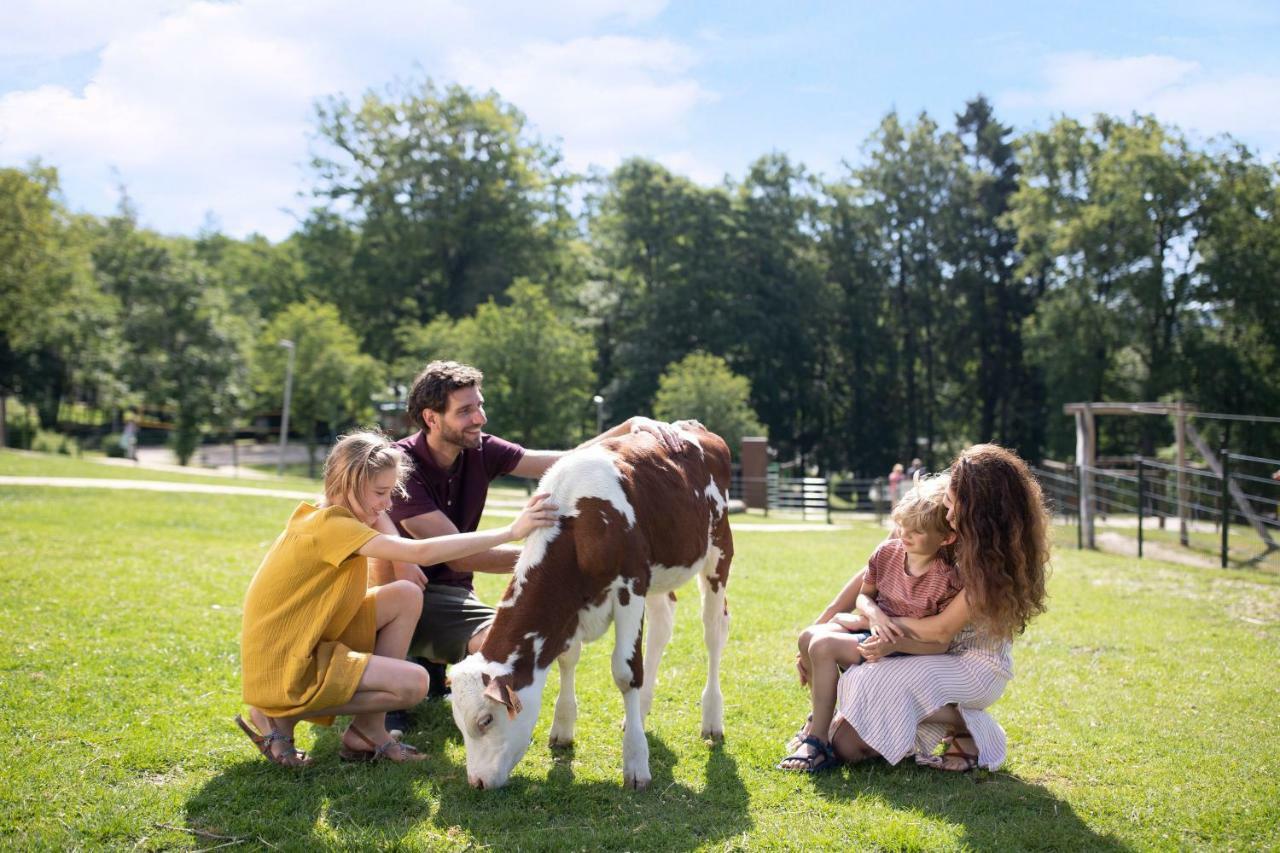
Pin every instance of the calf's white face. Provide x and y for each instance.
(495, 723)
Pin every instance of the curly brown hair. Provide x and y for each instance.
(432, 387)
(1003, 548)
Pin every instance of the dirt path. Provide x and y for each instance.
(499, 508)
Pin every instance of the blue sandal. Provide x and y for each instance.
(823, 757)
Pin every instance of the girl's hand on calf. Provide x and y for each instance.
(538, 512)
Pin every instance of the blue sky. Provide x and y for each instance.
(204, 108)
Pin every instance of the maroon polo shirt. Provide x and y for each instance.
(459, 492)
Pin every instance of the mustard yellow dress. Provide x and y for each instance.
(309, 619)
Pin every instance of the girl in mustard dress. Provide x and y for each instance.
(316, 641)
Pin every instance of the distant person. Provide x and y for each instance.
(916, 469)
(316, 640)
(910, 576)
(452, 464)
(129, 439)
(896, 476)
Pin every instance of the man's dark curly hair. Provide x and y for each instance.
(432, 387)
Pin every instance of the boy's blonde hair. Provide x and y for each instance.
(357, 458)
(922, 507)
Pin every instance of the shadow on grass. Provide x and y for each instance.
(335, 804)
(997, 811)
(559, 812)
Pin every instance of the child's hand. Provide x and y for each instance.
(875, 648)
(850, 621)
(884, 627)
(536, 513)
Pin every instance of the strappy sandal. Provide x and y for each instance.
(822, 758)
(393, 750)
(968, 760)
(292, 758)
(801, 733)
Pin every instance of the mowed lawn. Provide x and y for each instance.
(1142, 714)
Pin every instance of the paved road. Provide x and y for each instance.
(499, 508)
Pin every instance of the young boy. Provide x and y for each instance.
(911, 575)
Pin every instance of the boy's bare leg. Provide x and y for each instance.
(828, 651)
(803, 667)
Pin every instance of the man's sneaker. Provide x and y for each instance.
(439, 686)
(398, 722)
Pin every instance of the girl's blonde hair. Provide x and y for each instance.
(357, 458)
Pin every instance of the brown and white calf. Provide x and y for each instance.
(637, 521)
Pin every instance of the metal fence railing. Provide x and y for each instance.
(1234, 498)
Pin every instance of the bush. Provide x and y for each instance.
(19, 434)
(112, 447)
(47, 441)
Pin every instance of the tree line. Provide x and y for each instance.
(957, 282)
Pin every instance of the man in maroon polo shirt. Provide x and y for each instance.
(453, 464)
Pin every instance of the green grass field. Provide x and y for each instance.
(1140, 716)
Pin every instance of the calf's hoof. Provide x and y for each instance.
(560, 742)
(637, 781)
(713, 737)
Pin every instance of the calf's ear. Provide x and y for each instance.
(500, 691)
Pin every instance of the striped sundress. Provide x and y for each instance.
(885, 701)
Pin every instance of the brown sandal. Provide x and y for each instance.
(393, 750)
(969, 760)
(264, 743)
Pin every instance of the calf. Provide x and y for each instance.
(637, 521)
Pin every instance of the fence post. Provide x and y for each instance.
(1141, 496)
(1079, 507)
(1226, 505)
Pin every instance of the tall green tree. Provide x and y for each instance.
(184, 344)
(333, 381)
(1006, 392)
(537, 364)
(451, 197)
(1107, 219)
(663, 284)
(57, 330)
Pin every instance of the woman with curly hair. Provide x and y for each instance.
(910, 704)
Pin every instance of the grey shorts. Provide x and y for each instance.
(451, 616)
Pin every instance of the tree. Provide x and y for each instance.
(333, 381)
(663, 285)
(702, 387)
(538, 379)
(183, 342)
(451, 197)
(56, 330)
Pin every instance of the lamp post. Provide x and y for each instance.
(288, 393)
(599, 401)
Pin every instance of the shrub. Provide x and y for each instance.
(47, 441)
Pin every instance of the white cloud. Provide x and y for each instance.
(207, 106)
(606, 97)
(1175, 90)
(51, 29)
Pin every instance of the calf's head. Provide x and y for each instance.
(496, 720)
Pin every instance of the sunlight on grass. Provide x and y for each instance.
(1134, 717)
